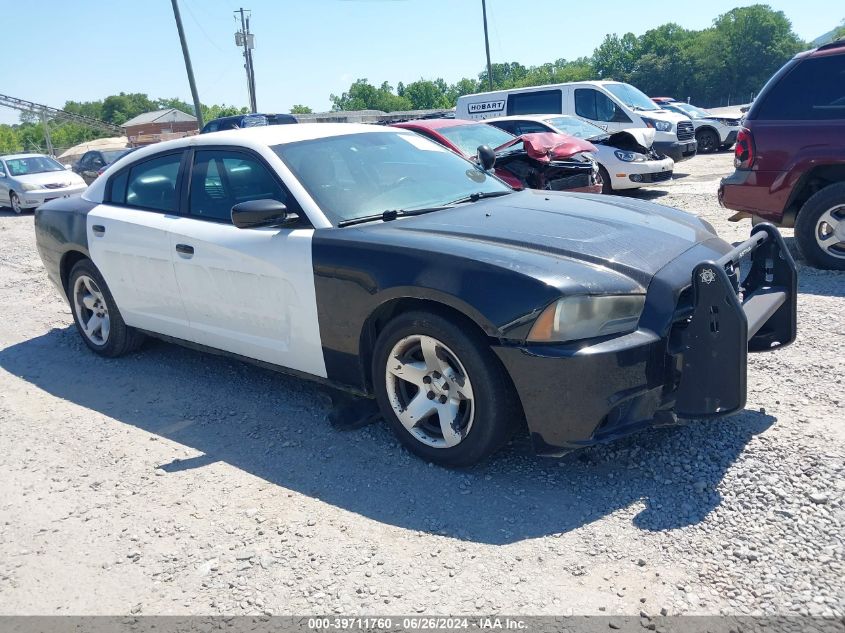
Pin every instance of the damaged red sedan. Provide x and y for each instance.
(557, 162)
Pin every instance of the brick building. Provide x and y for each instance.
(159, 125)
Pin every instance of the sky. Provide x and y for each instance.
(306, 50)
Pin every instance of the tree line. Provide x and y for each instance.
(726, 63)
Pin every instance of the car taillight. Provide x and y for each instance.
(744, 149)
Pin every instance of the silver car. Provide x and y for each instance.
(29, 180)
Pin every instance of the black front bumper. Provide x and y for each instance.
(677, 150)
(687, 359)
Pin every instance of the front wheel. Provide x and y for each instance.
(820, 228)
(441, 388)
(708, 141)
(96, 315)
(15, 202)
(606, 185)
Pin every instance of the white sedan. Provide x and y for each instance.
(29, 180)
(626, 159)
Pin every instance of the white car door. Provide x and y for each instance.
(129, 243)
(246, 291)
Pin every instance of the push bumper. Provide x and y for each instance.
(690, 365)
(677, 150)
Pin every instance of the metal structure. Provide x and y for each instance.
(188, 67)
(46, 114)
(247, 40)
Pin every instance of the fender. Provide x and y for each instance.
(60, 228)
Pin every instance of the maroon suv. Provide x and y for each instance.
(790, 155)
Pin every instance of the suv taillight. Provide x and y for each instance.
(744, 149)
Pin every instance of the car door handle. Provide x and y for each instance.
(99, 230)
(184, 249)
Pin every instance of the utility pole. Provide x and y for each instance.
(49, 141)
(247, 40)
(487, 44)
(188, 67)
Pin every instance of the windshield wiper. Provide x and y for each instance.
(390, 214)
(479, 195)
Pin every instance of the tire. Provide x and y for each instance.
(708, 141)
(606, 186)
(90, 297)
(15, 202)
(823, 215)
(482, 404)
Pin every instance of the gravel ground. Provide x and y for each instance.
(172, 482)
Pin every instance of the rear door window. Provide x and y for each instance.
(149, 185)
(814, 90)
(537, 102)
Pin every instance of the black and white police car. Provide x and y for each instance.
(376, 261)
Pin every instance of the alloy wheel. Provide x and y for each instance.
(16, 203)
(830, 231)
(430, 391)
(91, 310)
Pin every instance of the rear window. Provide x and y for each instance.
(538, 102)
(813, 90)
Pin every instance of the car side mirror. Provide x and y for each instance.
(254, 214)
(68, 166)
(486, 157)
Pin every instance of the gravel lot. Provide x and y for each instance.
(172, 482)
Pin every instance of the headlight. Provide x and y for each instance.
(629, 157)
(660, 126)
(29, 187)
(574, 318)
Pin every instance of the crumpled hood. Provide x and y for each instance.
(631, 237)
(643, 136)
(66, 178)
(548, 146)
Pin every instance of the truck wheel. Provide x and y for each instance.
(820, 228)
(708, 141)
(441, 388)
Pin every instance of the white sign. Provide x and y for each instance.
(486, 106)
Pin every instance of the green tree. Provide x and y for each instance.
(616, 57)
(362, 95)
(120, 108)
(175, 102)
(300, 109)
(754, 41)
(426, 95)
(507, 75)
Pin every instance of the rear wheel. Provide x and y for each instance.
(15, 202)
(96, 315)
(441, 388)
(708, 141)
(820, 228)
